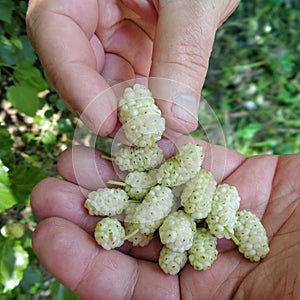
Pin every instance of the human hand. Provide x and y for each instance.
(88, 46)
(268, 186)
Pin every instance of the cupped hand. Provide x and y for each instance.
(269, 186)
(87, 46)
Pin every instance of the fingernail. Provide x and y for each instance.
(186, 108)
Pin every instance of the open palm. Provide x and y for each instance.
(269, 186)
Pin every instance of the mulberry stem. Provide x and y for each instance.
(114, 182)
(106, 157)
(232, 236)
(130, 235)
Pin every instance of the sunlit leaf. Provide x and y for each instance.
(13, 262)
(7, 198)
(5, 141)
(48, 138)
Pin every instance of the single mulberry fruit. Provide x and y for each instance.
(138, 184)
(171, 262)
(182, 167)
(138, 159)
(177, 231)
(197, 194)
(203, 252)
(138, 239)
(222, 217)
(109, 233)
(157, 204)
(106, 202)
(140, 116)
(251, 235)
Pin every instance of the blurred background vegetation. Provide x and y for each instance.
(253, 87)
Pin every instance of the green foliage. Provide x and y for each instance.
(13, 262)
(253, 80)
(25, 157)
(23, 178)
(7, 197)
(59, 292)
(6, 145)
(24, 95)
(14, 45)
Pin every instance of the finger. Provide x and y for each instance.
(220, 281)
(144, 8)
(256, 172)
(130, 42)
(75, 259)
(54, 197)
(84, 166)
(116, 69)
(65, 200)
(182, 48)
(63, 35)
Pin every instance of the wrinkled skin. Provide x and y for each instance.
(269, 186)
(87, 46)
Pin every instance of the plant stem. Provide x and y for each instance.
(107, 157)
(114, 182)
(232, 236)
(128, 236)
(134, 201)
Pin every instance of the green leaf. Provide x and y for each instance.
(32, 279)
(48, 138)
(13, 262)
(27, 53)
(7, 198)
(6, 142)
(249, 130)
(59, 292)
(23, 178)
(6, 9)
(25, 72)
(8, 51)
(24, 98)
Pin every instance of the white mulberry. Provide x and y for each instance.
(109, 233)
(106, 202)
(177, 231)
(157, 204)
(140, 116)
(138, 239)
(182, 167)
(222, 217)
(251, 235)
(138, 159)
(197, 194)
(171, 262)
(203, 252)
(138, 184)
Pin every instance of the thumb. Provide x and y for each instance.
(182, 48)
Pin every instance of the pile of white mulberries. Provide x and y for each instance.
(175, 199)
